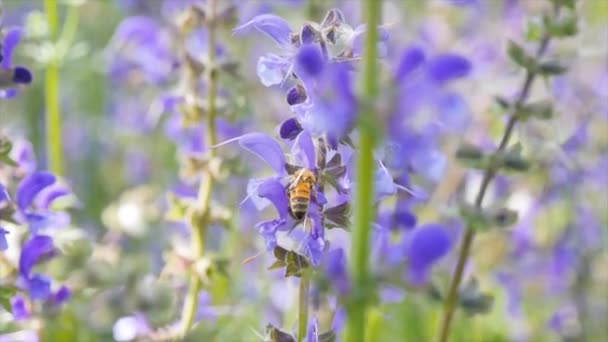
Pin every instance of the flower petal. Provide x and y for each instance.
(296, 95)
(310, 60)
(428, 244)
(31, 186)
(290, 129)
(3, 243)
(22, 75)
(266, 148)
(50, 194)
(271, 25)
(62, 295)
(383, 183)
(303, 150)
(272, 69)
(38, 247)
(263, 146)
(268, 229)
(274, 191)
(39, 287)
(454, 113)
(11, 39)
(411, 59)
(18, 308)
(447, 67)
(336, 272)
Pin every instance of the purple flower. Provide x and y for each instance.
(309, 60)
(290, 129)
(11, 77)
(270, 25)
(330, 107)
(62, 295)
(272, 190)
(30, 186)
(447, 67)
(139, 43)
(39, 287)
(18, 308)
(312, 331)
(36, 249)
(272, 69)
(428, 244)
(336, 271)
(3, 243)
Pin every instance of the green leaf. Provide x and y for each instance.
(277, 264)
(571, 4)
(5, 159)
(540, 110)
(502, 102)
(280, 253)
(480, 219)
(503, 217)
(277, 335)
(513, 160)
(551, 68)
(295, 264)
(564, 27)
(474, 218)
(6, 293)
(339, 215)
(533, 32)
(472, 301)
(471, 156)
(328, 336)
(520, 57)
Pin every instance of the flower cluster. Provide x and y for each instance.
(317, 65)
(36, 207)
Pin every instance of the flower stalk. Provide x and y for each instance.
(303, 305)
(465, 248)
(199, 225)
(51, 90)
(363, 205)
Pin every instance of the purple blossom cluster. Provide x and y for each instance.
(442, 160)
(30, 212)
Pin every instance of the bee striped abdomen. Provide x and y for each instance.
(299, 198)
(299, 193)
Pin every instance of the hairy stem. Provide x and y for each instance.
(363, 203)
(198, 226)
(467, 241)
(303, 305)
(51, 97)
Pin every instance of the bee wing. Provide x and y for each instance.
(291, 169)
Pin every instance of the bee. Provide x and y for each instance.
(299, 191)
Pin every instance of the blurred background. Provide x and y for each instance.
(127, 158)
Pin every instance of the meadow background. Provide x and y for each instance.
(124, 250)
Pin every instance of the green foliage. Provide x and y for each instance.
(472, 156)
(551, 68)
(5, 149)
(472, 301)
(520, 56)
(559, 28)
(539, 110)
(293, 262)
(6, 292)
(480, 219)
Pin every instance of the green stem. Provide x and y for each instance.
(469, 236)
(199, 226)
(363, 203)
(303, 305)
(51, 90)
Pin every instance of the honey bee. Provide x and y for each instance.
(299, 191)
